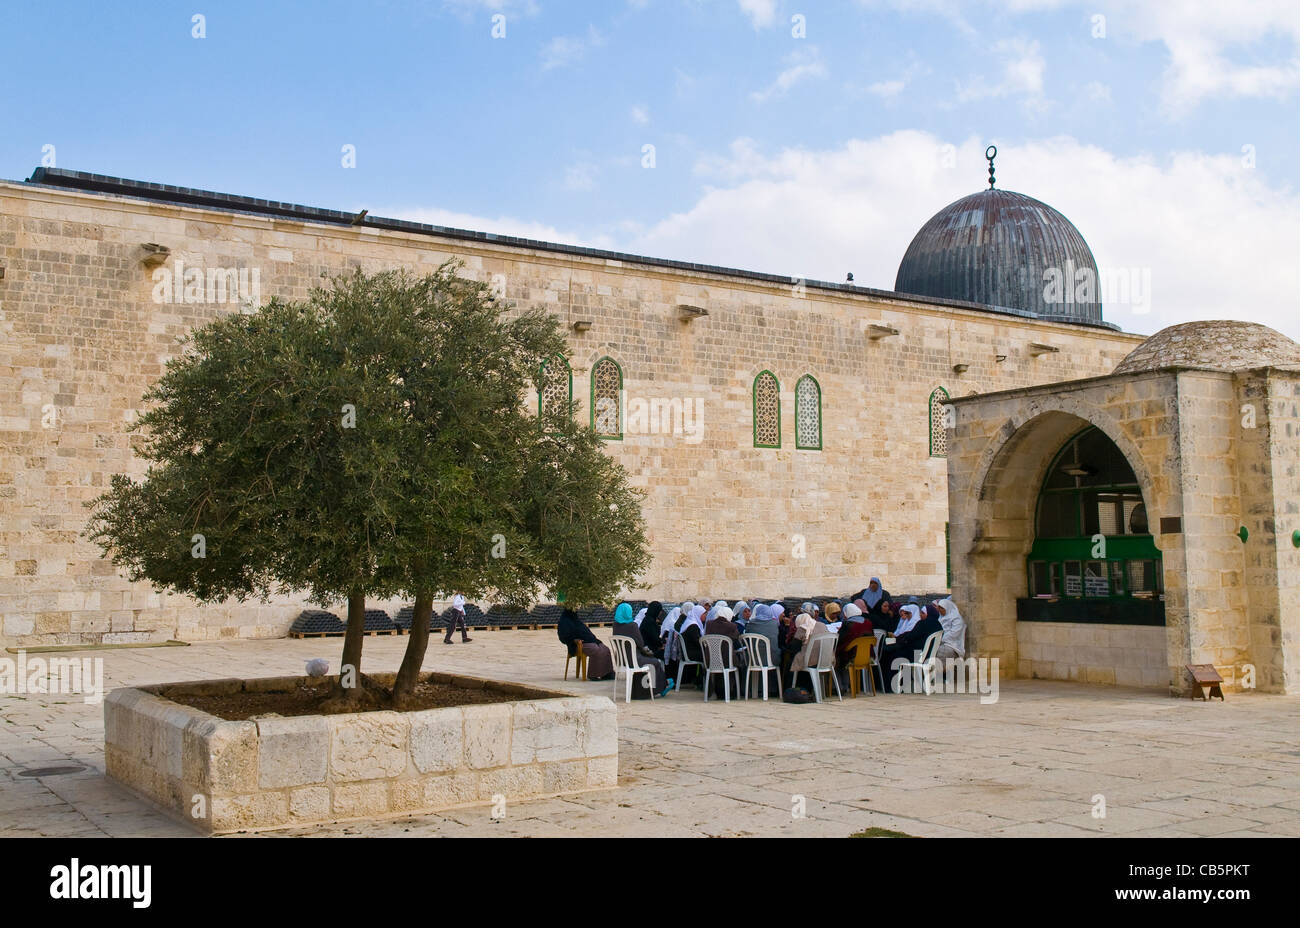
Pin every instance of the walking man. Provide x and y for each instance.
(457, 619)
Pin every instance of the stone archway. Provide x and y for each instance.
(993, 498)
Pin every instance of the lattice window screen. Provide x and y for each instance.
(808, 414)
(938, 433)
(606, 385)
(557, 388)
(767, 411)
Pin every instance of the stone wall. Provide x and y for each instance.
(83, 338)
(1271, 513)
(1124, 655)
(223, 776)
(1284, 450)
(1210, 441)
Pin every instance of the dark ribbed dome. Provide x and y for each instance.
(995, 247)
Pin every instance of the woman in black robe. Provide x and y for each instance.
(650, 628)
(572, 632)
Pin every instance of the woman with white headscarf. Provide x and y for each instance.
(668, 639)
(762, 623)
(692, 628)
(953, 644)
(908, 617)
(810, 632)
(740, 613)
(915, 626)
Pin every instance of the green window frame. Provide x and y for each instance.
(768, 419)
(938, 434)
(805, 442)
(541, 392)
(601, 369)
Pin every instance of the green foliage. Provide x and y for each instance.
(250, 445)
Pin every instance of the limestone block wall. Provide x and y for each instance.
(223, 776)
(1123, 655)
(1210, 441)
(1260, 552)
(1275, 556)
(83, 335)
(1284, 396)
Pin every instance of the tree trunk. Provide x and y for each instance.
(409, 672)
(353, 639)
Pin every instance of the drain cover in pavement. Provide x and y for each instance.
(49, 771)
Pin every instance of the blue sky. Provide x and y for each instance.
(1170, 140)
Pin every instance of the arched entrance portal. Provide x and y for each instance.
(1062, 574)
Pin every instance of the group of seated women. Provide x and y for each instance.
(669, 639)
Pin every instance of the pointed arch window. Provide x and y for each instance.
(808, 414)
(555, 398)
(938, 429)
(606, 399)
(767, 411)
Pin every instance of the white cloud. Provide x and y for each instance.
(762, 13)
(1097, 92)
(800, 65)
(580, 176)
(1216, 240)
(467, 8)
(885, 89)
(1022, 69)
(640, 115)
(564, 50)
(1215, 49)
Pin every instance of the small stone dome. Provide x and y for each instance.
(1218, 345)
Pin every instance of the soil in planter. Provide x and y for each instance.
(312, 699)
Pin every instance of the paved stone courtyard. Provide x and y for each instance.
(944, 765)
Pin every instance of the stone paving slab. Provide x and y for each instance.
(942, 765)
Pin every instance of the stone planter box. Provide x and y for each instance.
(222, 776)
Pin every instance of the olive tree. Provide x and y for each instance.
(371, 441)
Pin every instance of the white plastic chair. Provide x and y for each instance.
(760, 662)
(719, 657)
(927, 665)
(878, 657)
(683, 661)
(825, 664)
(624, 649)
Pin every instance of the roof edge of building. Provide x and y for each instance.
(1060, 385)
(63, 179)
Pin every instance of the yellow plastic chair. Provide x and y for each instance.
(861, 663)
(576, 652)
